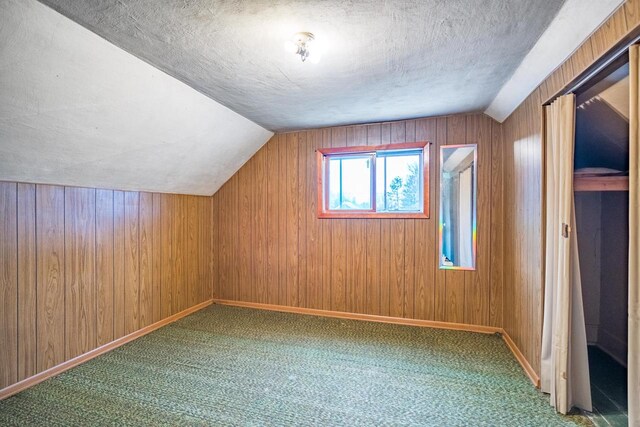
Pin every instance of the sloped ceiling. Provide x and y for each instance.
(384, 60)
(77, 110)
(602, 123)
(176, 96)
(617, 96)
(573, 24)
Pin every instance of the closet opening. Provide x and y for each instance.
(601, 184)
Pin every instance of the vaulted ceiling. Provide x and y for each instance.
(77, 110)
(384, 60)
(175, 96)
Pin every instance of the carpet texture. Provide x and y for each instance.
(234, 366)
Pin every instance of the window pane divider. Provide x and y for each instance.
(323, 189)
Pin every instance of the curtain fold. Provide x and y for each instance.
(564, 361)
(633, 356)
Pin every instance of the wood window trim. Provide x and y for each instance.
(321, 153)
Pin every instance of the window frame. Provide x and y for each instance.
(323, 184)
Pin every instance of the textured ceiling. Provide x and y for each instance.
(77, 110)
(384, 60)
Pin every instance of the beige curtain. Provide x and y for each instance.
(564, 361)
(633, 357)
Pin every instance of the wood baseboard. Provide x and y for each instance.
(38, 378)
(366, 317)
(535, 379)
(531, 374)
(64, 366)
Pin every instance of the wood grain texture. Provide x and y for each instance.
(146, 259)
(8, 284)
(166, 253)
(497, 214)
(385, 267)
(119, 287)
(455, 280)
(156, 257)
(79, 247)
(80, 268)
(104, 266)
(522, 199)
(65, 366)
(27, 270)
(372, 255)
(51, 310)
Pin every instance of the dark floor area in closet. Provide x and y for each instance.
(608, 389)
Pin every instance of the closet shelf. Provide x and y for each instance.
(601, 183)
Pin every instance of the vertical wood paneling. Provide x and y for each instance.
(167, 253)
(517, 216)
(440, 294)
(281, 182)
(497, 214)
(119, 288)
(338, 229)
(312, 237)
(425, 235)
(356, 243)
(214, 243)
(301, 208)
(8, 284)
(259, 225)
(131, 262)
(291, 189)
(209, 252)
(409, 244)
(372, 277)
(156, 257)
(244, 242)
(178, 251)
(80, 297)
(385, 243)
(377, 266)
(325, 265)
(477, 283)
(396, 245)
(272, 219)
(104, 267)
(36, 225)
(27, 269)
(191, 243)
(80, 267)
(455, 280)
(146, 259)
(50, 276)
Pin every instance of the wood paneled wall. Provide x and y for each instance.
(523, 191)
(81, 267)
(274, 250)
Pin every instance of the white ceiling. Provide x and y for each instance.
(385, 60)
(573, 24)
(77, 110)
(95, 103)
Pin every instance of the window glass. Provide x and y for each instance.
(350, 183)
(399, 182)
(375, 181)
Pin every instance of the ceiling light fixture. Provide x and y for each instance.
(303, 44)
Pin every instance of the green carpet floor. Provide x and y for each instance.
(233, 366)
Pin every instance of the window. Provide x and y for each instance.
(385, 181)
